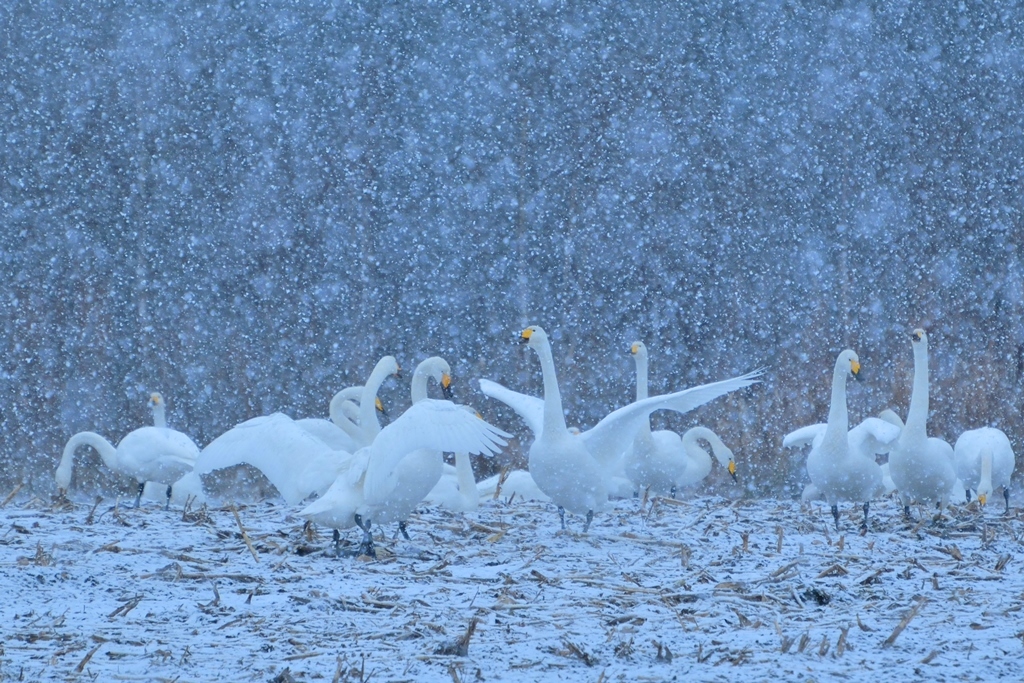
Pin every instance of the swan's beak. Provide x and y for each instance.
(398, 372)
(634, 349)
(732, 469)
(855, 368)
(982, 498)
(380, 406)
(155, 399)
(446, 386)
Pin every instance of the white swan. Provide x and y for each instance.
(575, 471)
(662, 461)
(921, 466)
(511, 485)
(456, 489)
(367, 491)
(836, 470)
(984, 462)
(156, 453)
(341, 432)
(298, 463)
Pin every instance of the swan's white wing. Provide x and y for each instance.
(811, 434)
(891, 417)
(530, 408)
(328, 432)
(610, 437)
(873, 435)
(296, 462)
(439, 426)
(157, 454)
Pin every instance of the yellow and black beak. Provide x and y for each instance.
(855, 369)
(380, 407)
(982, 498)
(446, 386)
(525, 335)
(732, 470)
(634, 349)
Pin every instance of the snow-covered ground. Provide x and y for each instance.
(701, 589)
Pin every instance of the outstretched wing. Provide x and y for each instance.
(811, 434)
(610, 437)
(872, 436)
(296, 462)
(530, 408)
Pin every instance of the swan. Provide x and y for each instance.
(510, 485)
(418, 471)
(921, 466)
(576, 470)
(836, 470)
(662, 461)
(367, 490)
(341, 432)
(456, 489)
(297, 462)
(156, 453)
(984, 462)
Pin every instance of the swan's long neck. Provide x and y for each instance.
(644, 434)
(419, 383)
(368, 423)
(985, 482)
(838, 417)
(553, 417)
(338, 417)
(467, 481)
(67, 461)
(159, 415)
(917, 415)
(718, 447)
(698, 456)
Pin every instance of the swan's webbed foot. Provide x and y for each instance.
(590, 518)
(366, 546)
(138, 498)
(405, 532)
(835, 515)
(561, 516)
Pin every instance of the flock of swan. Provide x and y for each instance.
(349, 471)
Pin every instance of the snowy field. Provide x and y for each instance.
(702, 589)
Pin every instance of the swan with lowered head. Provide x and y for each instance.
(921, 466)
(296, 461)
(368, 490)
(511, 484)
(576, 471)
(156, 453)
(984, 462)
(662, 461)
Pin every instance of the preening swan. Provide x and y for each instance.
(341, 432)
(510, 485)
(367, 491)
(157, 453)
(575, 471)
(984, 462)
(921, 467)
(662, 461)
(836, 470)
(298, 463)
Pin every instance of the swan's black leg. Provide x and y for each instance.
(968, 494)
(138, 498)
(405, 533)
(672, 491)
(906, 512)
(864, 526)
(590, 518)
(561, 516)
(835, 515)
(337, 542)
(366, 547)
(167, 505)
(1006, 497)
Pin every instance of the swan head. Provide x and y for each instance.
(918, 336)
(731, 467)
(438, 369)
(156, 399)
(533, 336)
(63, 475)
(849, 361)
(379, 405)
